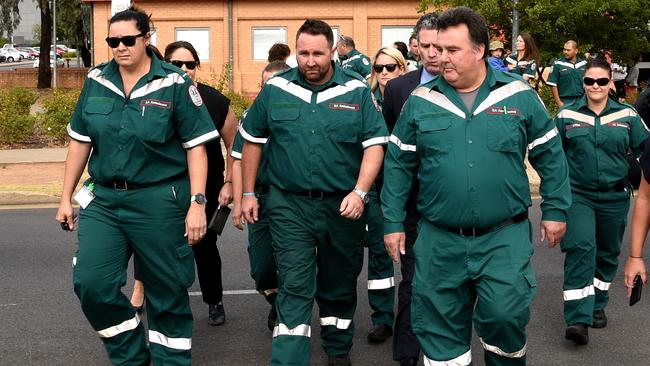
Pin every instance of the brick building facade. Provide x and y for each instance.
(255, 26)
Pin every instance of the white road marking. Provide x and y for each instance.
(231, 292)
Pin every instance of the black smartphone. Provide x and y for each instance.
(219, 219)
(636, 290)
(65, 226)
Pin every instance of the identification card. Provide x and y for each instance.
(84, 197)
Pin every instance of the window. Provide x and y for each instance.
(154, 37)
(199, 38)
(392, 34)
(264, 38)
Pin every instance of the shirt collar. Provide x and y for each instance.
(337, 78)
(156, 70)
(581, 105)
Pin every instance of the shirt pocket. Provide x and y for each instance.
(155, 124)
(284, 121)
(344, 127)
(97, 117)
(614, 139)
(433, 136)
(504, 134)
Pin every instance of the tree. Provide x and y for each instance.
(620, 25)
(9, 17)
(73, 25)
(44, 71)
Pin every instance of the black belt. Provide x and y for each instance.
(474, 231)
(319, 195)
(122, 185)
(618, 187)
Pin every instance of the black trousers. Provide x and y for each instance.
(405, 345)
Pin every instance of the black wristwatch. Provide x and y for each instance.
(199, 198)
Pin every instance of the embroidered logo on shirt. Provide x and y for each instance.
(195, 96)
(344, 106)
(618, 124)
(155, 103)
(503, 110)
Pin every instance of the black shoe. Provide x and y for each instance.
(380, 333)
(273, 316)
(578, 333)
(408, 362)
(343, 360)
(216, 314)
(600, 319)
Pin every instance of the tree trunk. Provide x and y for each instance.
(44, 70)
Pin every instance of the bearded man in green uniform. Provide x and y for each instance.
(466, 135)
(323, 135)
(566, 75)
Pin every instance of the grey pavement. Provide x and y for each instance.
(46, 155)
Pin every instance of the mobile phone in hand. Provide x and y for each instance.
(636, 290)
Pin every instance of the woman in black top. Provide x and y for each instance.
(218, 191)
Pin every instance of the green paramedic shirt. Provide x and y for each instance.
(567, 77)
(262, 172)
(522, 67)
(471, 165)
(596, 145)
(140, 138)
(316, 136)
(357, 62)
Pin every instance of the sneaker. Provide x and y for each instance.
(380, 333)
(342, 360)
(410, 361)
(273, 316)
(578, 333)
(216, 314)
(600, 319)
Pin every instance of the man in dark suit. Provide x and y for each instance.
(405, 346)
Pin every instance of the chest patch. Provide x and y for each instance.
(155, 103)
(195, 96)
(503, 110)
(344, 106)
(619, 124)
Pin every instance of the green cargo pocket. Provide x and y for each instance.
(576, 131)
(530, 279)
(185, 265)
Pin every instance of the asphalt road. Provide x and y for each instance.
(41, 322)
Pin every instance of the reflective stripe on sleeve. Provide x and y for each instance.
(601, 285)
(248, 137)
(496, 350)
(124, 326)
(201, 139)
(381, 140)
(337, 322)
(77, 136)
(402, 146)
(544, 139)
(381, 284)
(302, 330)
(462, 360)
(184, 344)
(235, 154)
(578, 294)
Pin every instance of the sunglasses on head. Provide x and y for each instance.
(600, 82)
(379, 67)
(191, 65)
(128, 41)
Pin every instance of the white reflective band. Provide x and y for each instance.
(617, 115)
(269, 291)
(291, 88)
(438, 99)
(235, 154)
(462, 360)
(184, 344)
(339, 323)
(544, 139)
(601, 285)
(339, 90)
(382, 140)
(500, 94)
(570, 65)
(248, 137)
(381, 284)
(580, 293)
(404, 147)
(125, 326)
(302, 330)
(94, 74)
(550, 83)
(348, 60)
(581, 63)
(74, 261)
(77, 136)
(201, 139)
(565, 113)
(496, 350)
(157, 84)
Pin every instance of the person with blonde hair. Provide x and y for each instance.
(388, 64)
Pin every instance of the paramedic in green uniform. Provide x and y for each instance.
(325, 138)
(143, 125)
(566, 74)
(351, 59)
(597, 132)
(465, 135)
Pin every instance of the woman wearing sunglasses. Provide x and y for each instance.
(596, 133)
(389, 64)
(143, 125)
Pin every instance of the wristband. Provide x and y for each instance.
(641, 257)
(227, 181)
(248, 194)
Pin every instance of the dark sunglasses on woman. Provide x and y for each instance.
(191, 65)
(379, 67)
(600, 81)
(128, 41)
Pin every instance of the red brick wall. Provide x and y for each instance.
(28, 78)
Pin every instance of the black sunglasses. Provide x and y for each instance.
(590, 81)
(191, 65)
(379, 67)
(128, 41)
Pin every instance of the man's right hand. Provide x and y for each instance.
(66, 214)
(249, 208)
(395, 245)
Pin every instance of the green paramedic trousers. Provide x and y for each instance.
(592, 244)
(381, 283)
(319, 254)
(260, 253)
(150, 222)
(487, 280)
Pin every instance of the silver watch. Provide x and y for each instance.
(363, 195)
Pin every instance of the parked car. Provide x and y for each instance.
(59, 61)
(11, 54)
(31, 52)
(59, 51)
(3, 58)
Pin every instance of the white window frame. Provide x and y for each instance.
(202, 49)
(388, 41)
(265, 55)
